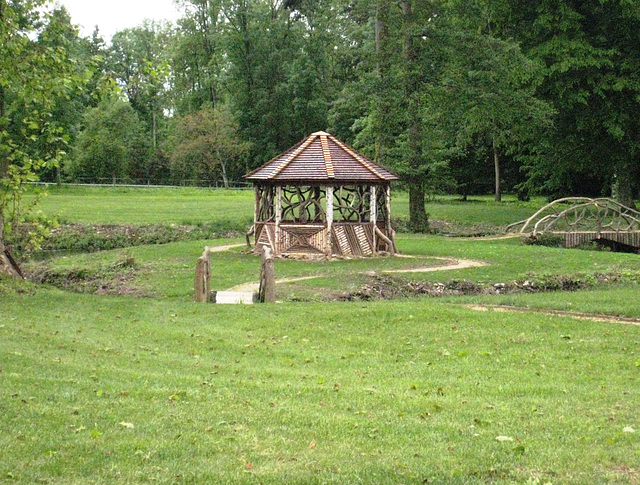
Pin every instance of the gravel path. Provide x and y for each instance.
(451, 264)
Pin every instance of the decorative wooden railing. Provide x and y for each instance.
(582, 219)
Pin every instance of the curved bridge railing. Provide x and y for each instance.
(585, 219)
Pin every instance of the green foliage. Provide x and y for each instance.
(497, 97)
(35, 72)
(206, 146)
(590, 76)
(197, 53)
(137, 58)
(111, 145)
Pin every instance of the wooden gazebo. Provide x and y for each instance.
(319, 198)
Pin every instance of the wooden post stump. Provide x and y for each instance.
(202, 284)
(267, 292)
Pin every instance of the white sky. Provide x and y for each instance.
(113, 15)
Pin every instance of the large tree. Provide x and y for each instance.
(111, 145)
(197, 56)
(488, 89)
(207, 147)
(394, 123)
(590, 60)
(138, 59)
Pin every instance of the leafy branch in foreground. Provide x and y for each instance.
(35, 71)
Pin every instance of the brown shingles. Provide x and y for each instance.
(321, 157)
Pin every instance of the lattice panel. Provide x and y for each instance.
(353, 239)
(265, 236)
(303, 239)
(303, 204)
(352, 204)
(381, 205)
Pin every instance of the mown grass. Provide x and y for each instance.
(478, 210)
(166, 271)
(112, 389)
(113, 205)
(125, 205)
(119, 390)
(618, 300)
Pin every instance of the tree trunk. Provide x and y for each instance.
(496, 166)
(223, 166)
(417, 214)
(380, 29)
(4, 164)
(383, 141)
(225, 180)
(7, 265)
(623, 189)
(155, 130)
(418, 218)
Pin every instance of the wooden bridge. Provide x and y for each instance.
(582, 220)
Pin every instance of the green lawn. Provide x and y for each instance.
(614, 300)
(121, 390)
(153, 388)
(109, 205)
(188, 206)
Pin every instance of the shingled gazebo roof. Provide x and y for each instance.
(321, 157)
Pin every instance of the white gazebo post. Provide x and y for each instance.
(387, 198)
(256, 205)
(373, 216)
(329, 217)
(276, 249)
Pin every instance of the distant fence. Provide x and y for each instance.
(196, 184)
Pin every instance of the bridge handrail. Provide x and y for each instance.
(540, 224)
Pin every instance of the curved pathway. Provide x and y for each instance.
(559, 313)
(451, 264)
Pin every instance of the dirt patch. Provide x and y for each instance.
(387, 287)
(114, 279)
(384, 287)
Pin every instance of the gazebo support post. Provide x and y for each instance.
(329, 217)
(256, 204)
(276, 249)
(387, 198)
(373, 216)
